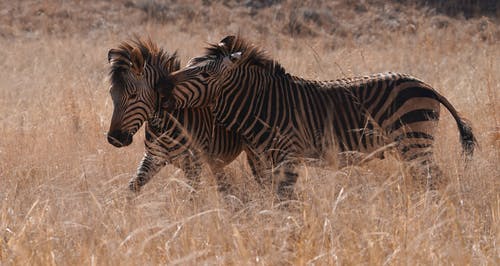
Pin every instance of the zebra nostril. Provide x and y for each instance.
(113, 141)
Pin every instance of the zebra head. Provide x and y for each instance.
(136, 67)
(199, 83)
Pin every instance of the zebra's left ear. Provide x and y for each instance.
(232, 59)
(235, 56)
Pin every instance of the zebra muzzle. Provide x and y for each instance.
(119, 139)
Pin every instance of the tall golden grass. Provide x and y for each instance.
(63, 188)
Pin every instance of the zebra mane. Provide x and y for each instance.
(250, 54)
(129, 53)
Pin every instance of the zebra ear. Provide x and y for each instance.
(115, 55)
(235, 56)
(231, 59)
(112, 55)
(227, 41)
(138, 62)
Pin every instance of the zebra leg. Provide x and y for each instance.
(222, 178)
(192, 166)
(413, 131)
(223, 184)
(427, 173)
(288, 174)
(349, 158)
(260, 171)
(148, 167)
(418, 153)
(217, 169)
(435, 177)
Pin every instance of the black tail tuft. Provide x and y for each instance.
(467, 138)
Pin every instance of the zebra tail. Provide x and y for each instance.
(467, 138)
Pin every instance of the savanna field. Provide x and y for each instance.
(64, 188)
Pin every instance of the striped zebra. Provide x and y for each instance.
(287, 119)
(184, 138)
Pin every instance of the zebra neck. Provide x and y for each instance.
(245, 105)
(157, 122)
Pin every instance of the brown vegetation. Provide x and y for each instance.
(63, 192)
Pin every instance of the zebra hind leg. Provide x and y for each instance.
(288, 178)
(422, 164)
(428, 174)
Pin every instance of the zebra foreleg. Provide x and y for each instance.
(217, 169)
(148, 167)
(223, 184)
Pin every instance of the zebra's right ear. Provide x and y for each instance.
(227, 41)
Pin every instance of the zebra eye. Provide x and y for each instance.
(204, 75)
(133, 95)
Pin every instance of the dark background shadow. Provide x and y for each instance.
(457, 8)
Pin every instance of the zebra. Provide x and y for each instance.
(184, 138)
(287, 119)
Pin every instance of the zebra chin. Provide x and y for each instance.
(119, 139)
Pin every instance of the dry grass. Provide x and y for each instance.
(63, 188)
